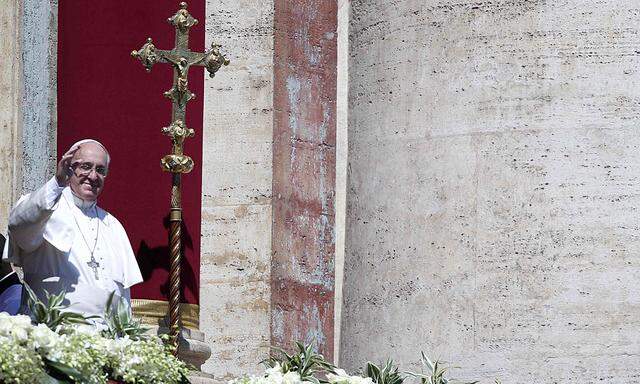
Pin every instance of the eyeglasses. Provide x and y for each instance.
(84, 169)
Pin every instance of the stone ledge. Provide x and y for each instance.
(191, 348)
(202, 378)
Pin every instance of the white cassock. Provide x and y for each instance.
(52, 234)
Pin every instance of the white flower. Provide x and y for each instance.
(86, 329)
(44, 338)
(19, 363)
(20, 334)
(342, 377)
(291, 378)
(275, 370)
(16, 327)
(21, 321)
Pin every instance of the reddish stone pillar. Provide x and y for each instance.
(305, 65)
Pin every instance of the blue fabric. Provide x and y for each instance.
(10, 299)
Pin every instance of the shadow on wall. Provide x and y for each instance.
(151, 259)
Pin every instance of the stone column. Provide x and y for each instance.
(10, 109)
(236, 189)
(302, 265)
(39, 40)
(493, 188)
(342, 112)
(28, 105)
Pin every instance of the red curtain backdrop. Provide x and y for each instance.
(105, 94)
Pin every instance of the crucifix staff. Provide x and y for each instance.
(177, 162)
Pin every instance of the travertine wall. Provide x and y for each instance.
(28, 104)
(39, 32)
(494, 186)
(342, 112)
(10, 113)
(236, 189)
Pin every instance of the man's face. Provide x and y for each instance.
(89, 169)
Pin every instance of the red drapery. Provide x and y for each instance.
(105, 94)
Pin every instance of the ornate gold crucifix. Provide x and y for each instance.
(177, 162)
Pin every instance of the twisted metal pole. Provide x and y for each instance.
(175, 252)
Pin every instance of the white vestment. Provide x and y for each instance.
(51, 238)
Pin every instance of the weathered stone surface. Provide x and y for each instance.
(234, 281)
(10, 112)
(192, 348)
(27, 108)
(236, 189)
(39, 80)
(342, 112)
(304, 156)
(493, 188)
(202, 378)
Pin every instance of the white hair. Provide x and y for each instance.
(84, 141)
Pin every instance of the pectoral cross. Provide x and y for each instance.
(93, 264)
(177, 162)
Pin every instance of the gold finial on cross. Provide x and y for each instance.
(177, 162)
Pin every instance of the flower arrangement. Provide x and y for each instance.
(145, 361)
(55, 347)
(305, 366)
(19, 360)
(36, 354)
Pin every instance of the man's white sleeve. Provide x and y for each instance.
(30, 215)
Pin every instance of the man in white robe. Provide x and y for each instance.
(64, 241)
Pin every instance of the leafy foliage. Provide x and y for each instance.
(120, 322)
(60, 373)
(435, 372)
(384, 374)
(305, 361)
(283, 368)
(52, 313)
